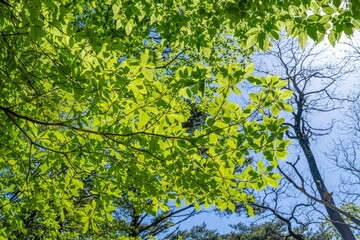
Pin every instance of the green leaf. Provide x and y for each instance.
(262, 42)
(84, 219)
(43, 168)
(253, 31)
(288, 107)
(144, 58)
(60, 136)
(303, 39)
(285, 94)
(77, 183)
(260, 166)
(275, 35)
(86, 227)
(251, 41)
(250, 211)
(116, 9)
(236, 90)
(328, 10)
(332, 38)
(253, 97)
(231, 206)
(164, 207)
(275, 110)
(281, 154)
(196, 205)
(118, 24)
(272, 182)
(109, 217)
(281, 83)
(312, 32)
(129, 26)
(249, 69)
(62, 215)
(148, 73)
(356, 23)
(207, 52)
(95, 227)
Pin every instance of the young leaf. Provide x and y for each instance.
(303, 39)
(129, 26)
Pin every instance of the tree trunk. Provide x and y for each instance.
(134, 231)
(335, 217)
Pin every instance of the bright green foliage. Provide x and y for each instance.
(92, 107)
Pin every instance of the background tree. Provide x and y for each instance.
(313, 82)
(197, 232)
(255, 231)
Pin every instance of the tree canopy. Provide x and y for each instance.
(95, 94)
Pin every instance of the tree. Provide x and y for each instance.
(267, 231)
(314, 86)
(197, 233)
(343, 153)
(93, 105)
(314, 83)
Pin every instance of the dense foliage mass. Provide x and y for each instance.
(265, 231)
(95, 94)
